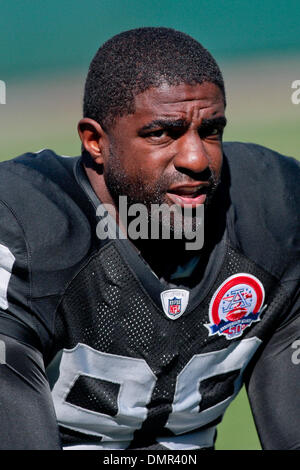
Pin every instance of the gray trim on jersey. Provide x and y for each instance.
(7, 260)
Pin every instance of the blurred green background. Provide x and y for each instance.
(45, 50)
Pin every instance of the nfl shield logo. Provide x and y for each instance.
(174, 302)
(174, 306)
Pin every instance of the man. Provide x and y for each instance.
(144, 342)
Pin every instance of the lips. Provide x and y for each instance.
(191, 195)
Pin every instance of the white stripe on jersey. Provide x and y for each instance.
(7, 260)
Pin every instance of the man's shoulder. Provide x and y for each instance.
(49, 210)
(256, 174)
(32, 168)
(255, 157)
(45, 234)
(265, 195)
(31, 179)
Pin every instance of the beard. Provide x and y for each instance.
(120, 183)
(153, 197)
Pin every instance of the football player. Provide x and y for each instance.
(111, 338)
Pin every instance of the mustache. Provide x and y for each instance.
(208, 176)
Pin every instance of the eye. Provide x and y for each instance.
(210, 132)
(157, 134)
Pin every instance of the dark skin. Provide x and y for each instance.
(172, 143)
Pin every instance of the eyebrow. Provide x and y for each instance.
(220, 121)
(172, 123)
(164, 123)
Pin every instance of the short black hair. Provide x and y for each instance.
(133, 61)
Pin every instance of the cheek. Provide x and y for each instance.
(122, 156)
(219, 161)
(139, 160)
(215, 153)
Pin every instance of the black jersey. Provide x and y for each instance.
(134, 361)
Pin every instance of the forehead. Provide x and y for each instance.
(181, 100)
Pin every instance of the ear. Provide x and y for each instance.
(93, 138)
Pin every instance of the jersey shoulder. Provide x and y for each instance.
(41, 192)
(45, 232)
(265, 195)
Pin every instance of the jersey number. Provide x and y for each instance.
(133, 382)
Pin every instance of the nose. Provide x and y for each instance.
(191, 155)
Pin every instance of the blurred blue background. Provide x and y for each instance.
(46, 47)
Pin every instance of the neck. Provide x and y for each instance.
(165, 256)
(97, 182)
